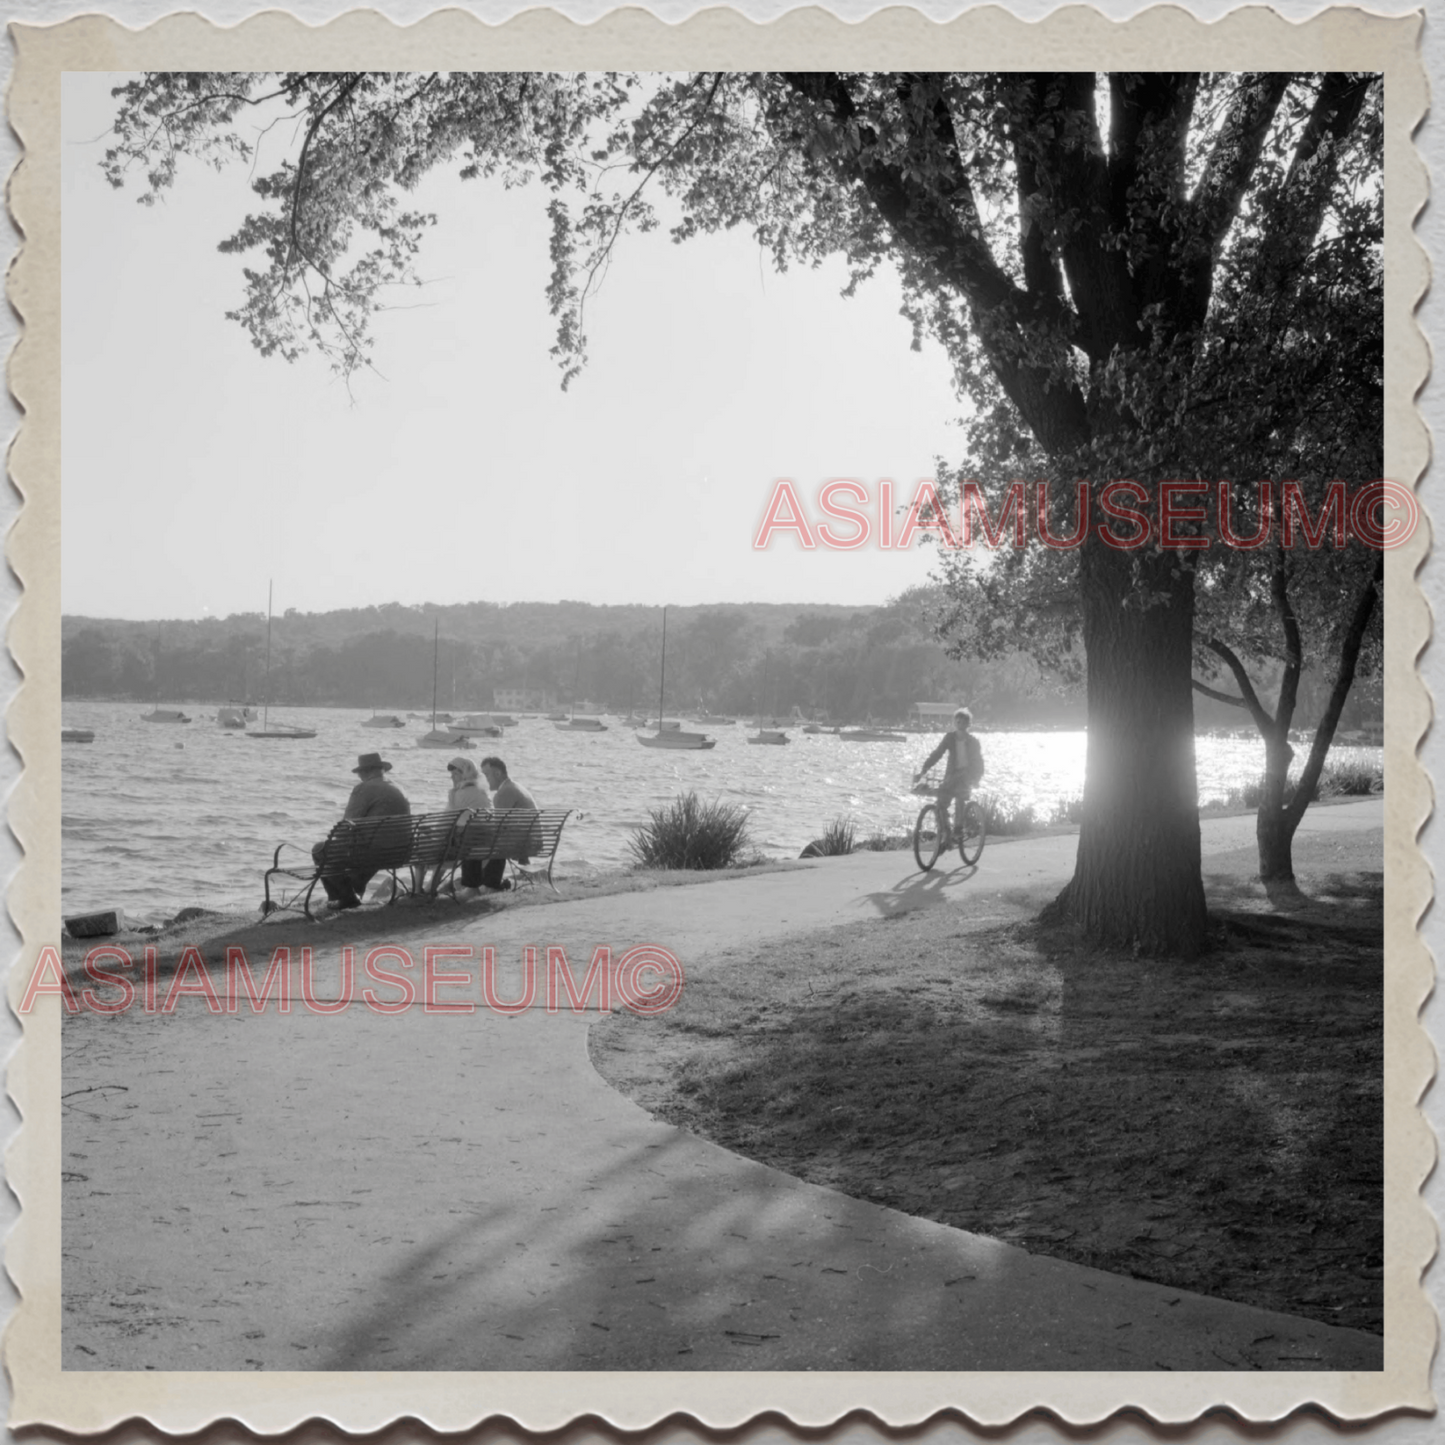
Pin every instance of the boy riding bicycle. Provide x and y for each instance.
(963, 770)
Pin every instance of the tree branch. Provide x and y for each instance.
(938, 223)
(1344, 678)
(1312, 172)
(301, 165)
(1250, 698)
(1216, 695)
(1293, 649)
(1235, 154)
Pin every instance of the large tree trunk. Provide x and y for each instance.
(1273, 830)
(1137, 878)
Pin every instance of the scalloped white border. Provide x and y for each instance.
(1253, 38)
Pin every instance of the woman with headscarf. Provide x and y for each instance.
(468, 791)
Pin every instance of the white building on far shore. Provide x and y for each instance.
(933, 716)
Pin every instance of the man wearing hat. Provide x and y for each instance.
(372, 797)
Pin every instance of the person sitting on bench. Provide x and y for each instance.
(468, 792)
(505, 794)
(372, 797)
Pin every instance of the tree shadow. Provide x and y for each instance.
(1351, 901)
(723, 1267)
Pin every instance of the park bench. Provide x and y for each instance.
(411, 846)
(527, 838)
(401, 846)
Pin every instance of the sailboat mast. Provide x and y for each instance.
(435, 655)
(266, 705)
(662, 671)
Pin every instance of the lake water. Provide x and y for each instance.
(156, 817)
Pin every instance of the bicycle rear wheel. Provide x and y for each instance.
(927, 837)
(972, 831)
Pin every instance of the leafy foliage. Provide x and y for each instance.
(691, 834)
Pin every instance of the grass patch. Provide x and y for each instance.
(691, 834)
(1345, 779)
(1350, 779)
(837, 839)
(1214, 1126)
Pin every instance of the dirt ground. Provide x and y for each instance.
(1215, 1126)
(407, 919)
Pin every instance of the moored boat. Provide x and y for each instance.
(580, 725)
(475, 725)
(671, 735)
(872, 735)
(282, 732)
(77, 735)
(677, 738)
(772, 736)
(384, 720)
(165, 715)
(440, 737)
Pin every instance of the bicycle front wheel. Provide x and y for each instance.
(972, 831)
(927, 837)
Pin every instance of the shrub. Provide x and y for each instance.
(1247, 795)
(1009, 819)
(691, 834)
(837, 838)
(1070, 810)
(1350, 778)
(1347, 778)
(882, 843)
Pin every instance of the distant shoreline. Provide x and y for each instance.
(1349, 737)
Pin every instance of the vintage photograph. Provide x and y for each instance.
(737, 723)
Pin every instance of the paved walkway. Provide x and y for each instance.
(366, 1192)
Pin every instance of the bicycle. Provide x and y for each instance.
(929, 840)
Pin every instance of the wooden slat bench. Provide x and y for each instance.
(401, 846)
(525, 837)
(410, 847)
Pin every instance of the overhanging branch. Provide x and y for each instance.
(1227, 655)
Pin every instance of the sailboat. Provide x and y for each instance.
(439, 737)
(671, 735)
(282, 732)
(575, 724)
(772, 736)
(163, 714)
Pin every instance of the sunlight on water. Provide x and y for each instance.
(151, 828)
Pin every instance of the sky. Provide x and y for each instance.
(195, 471)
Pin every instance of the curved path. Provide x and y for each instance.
(463, 1192)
